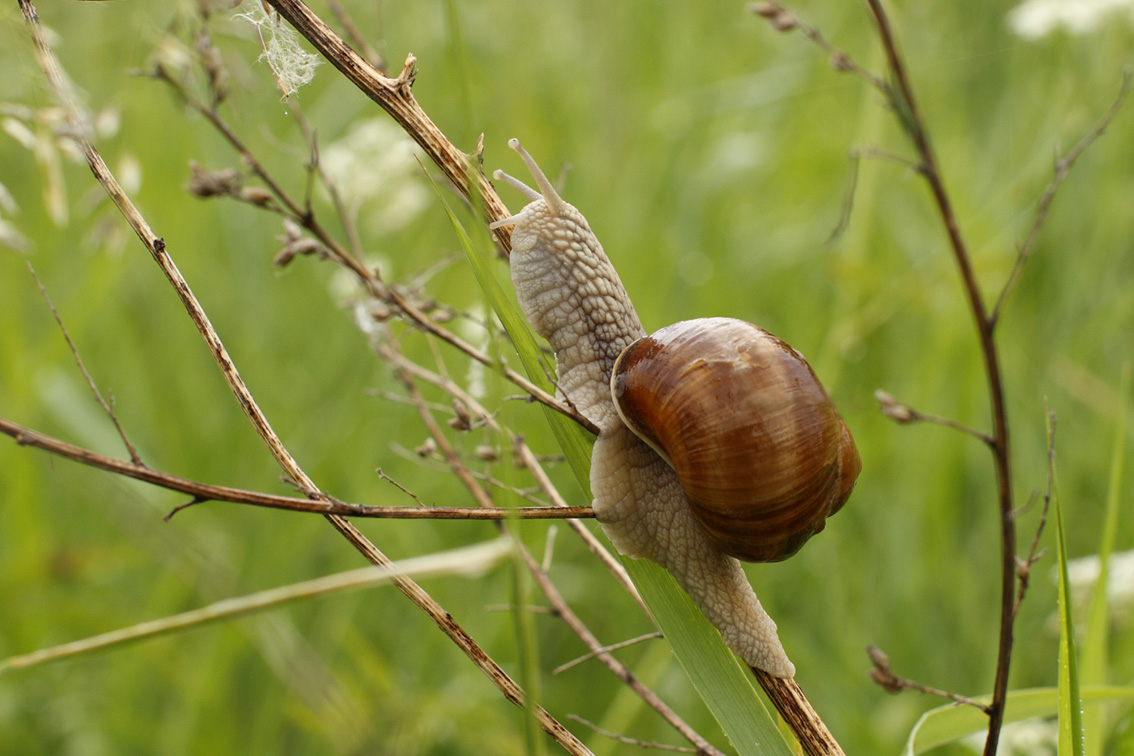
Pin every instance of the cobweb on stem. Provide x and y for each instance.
(291, 64)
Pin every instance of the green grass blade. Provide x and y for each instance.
(1070, 704)
(529, 352)
(469, 560)
(460, 65)
(1094, 666)
(575, 442)
(720, 680)
(528, 649)
(949, 723)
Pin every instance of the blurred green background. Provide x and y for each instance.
(710, 155)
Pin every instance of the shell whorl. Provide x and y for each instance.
(761, 451)
(573, 297)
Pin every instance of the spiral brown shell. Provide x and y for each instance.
(760, 450)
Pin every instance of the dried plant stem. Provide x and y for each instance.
(389, 351)
(616, 667)
(1034, 553)
(789, 700)
(632, 741)
(1062, 167)
(469, 559)
(904, 414)
(369, 278)
(884, 675)
(408, 372)
(157, 249)
(395, 96)
(202, 492)
(905, 104)
(83, 369)
(655, 635)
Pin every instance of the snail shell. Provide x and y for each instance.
(759, 448)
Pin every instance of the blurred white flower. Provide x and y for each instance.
(7, 201)
(129, 172)
(1083, 573)
(1033, 19)
(1031, 737)
(478, 336)
(18, 130)
(11, 237)
(376, 173)
(107, 122)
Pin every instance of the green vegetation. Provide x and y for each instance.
(710, 156)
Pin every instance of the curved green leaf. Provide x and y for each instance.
(723, 684)
(949, 723)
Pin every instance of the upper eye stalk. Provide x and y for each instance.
(717, 442)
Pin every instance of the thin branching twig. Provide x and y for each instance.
(368, 277)
(604, 649)
(158, 250)
(899, 92)
(1024, 568)
(326, 505)
(409, 373)
(883, 674)
(633, 741)
(106, 407)
(1060, 171)
(903, 414)
(905, 106)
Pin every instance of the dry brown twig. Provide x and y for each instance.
(369, 278)
(106, 406)
(1035, 553)
(882, 674)
(395, 97)
(409, 372)
(903, 414)
(158, 251)
(388, 349)
(632, 741)
(899, 92)
(203, 492)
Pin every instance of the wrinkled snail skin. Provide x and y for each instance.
(642, 508)
(572, 296)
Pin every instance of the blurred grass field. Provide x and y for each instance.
(710, 156)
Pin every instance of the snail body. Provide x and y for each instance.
(569, 293)
(664, 488)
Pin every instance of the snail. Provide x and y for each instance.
(716, 441)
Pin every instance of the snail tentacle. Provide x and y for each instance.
(716, 440)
